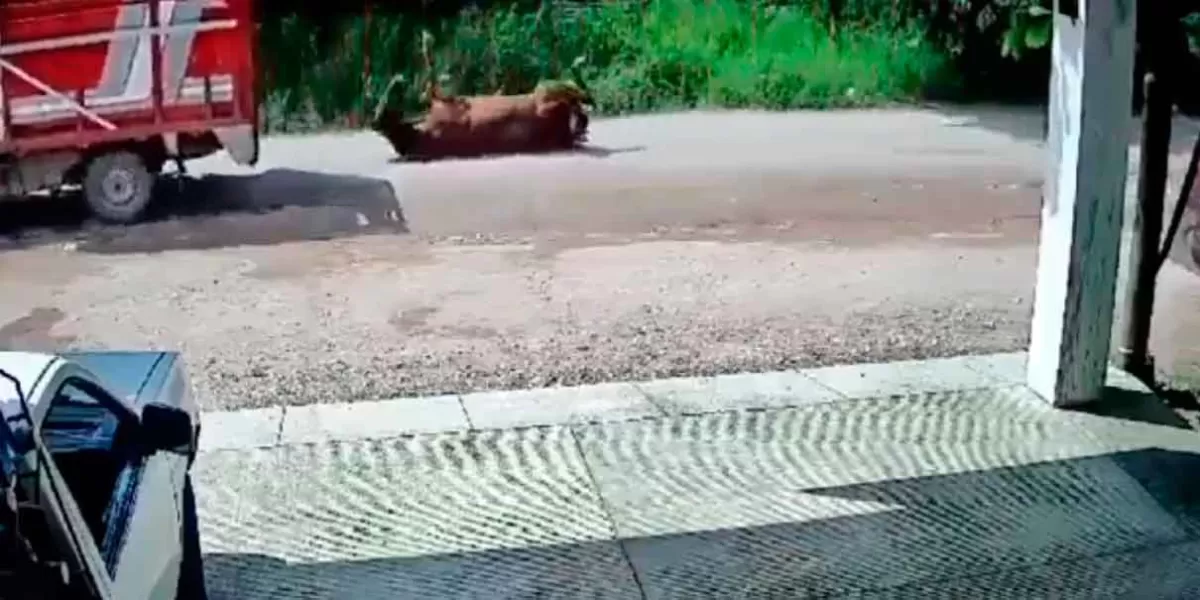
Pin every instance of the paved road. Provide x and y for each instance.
(681, 244)
(867, 175)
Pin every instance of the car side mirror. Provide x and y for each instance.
(166, 428)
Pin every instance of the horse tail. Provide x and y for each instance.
(386, 100)
(577, 75)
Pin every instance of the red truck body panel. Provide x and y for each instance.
(80, 73)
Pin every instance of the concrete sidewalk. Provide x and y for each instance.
(935, 479)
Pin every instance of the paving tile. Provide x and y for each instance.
(595, 570)
(251, 428)
(373, 420)
(903, 377)
(555, 406)
(1162, 572)
(847, 497)
(491, 514)
(1008, 367)
(228, 485)
(696, 395)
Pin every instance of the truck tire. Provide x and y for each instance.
(117, 187)
(191, 567)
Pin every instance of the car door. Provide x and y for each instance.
(133, 505)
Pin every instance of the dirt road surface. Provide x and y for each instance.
(678, 245)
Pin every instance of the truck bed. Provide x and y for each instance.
(77, 73)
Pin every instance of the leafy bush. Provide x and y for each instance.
(653, 54)
(661, 54)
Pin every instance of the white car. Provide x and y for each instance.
(95, 449)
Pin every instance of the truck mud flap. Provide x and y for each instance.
(241, 142)
(1186, 247)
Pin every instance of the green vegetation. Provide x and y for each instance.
(663, 54)
(646, 55)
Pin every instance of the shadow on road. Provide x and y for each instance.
(585, 150)
(602, 152)
(1026, 123)
(279, 205)
(1122, 524)
(1021, 123)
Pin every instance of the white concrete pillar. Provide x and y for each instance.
(1091, 86)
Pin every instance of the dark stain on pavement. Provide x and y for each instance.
(33, 331)
(412, 320)
(415, 322)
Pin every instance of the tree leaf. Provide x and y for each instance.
(1014, 36)
(985, 18)
(1038, 34)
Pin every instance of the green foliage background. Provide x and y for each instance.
(647, 55)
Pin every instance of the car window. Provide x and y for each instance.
(82, 431)
(77, 421)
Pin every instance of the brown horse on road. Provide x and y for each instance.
(551, 118)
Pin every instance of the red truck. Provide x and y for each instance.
(100, 94)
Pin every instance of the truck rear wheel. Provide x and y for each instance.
(117, 187)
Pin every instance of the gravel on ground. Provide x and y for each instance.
(382, 316)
